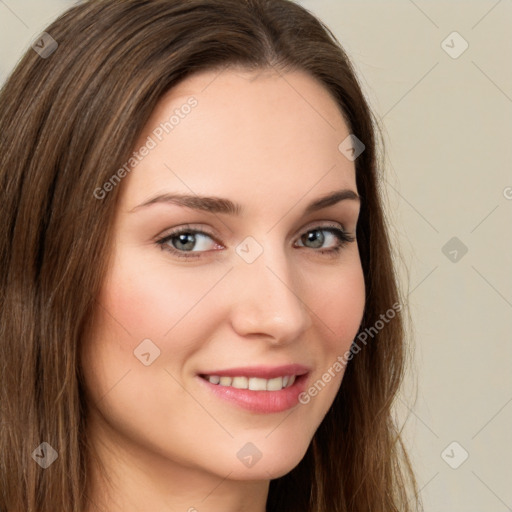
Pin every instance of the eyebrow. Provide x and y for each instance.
(221, 205)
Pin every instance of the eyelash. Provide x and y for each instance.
(343, 237)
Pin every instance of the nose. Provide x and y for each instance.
(268, 299)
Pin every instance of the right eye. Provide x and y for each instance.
(183, 240)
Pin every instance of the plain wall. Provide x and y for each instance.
(447, 127)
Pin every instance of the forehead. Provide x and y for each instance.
(255, 135)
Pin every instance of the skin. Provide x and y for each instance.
(268, 141)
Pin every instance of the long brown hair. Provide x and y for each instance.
(67, 122)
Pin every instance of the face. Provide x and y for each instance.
(205, 297)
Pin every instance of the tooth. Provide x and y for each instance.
(240, 382)
(225, 381)
(253, 383)
(275, 384)
(257, 384)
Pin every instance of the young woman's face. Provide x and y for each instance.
(250, 297)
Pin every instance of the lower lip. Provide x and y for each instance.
(265, 402)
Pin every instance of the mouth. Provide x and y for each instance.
(258, 389)
(252, 383)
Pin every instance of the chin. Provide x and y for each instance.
(272, 465)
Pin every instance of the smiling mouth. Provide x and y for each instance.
(259, 389)
(252, 383)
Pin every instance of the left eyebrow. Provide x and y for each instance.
(222, 205)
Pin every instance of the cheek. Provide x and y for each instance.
(339, 306)
(134, 297)
(338, 310)
(147, 298)
(126, 314)
(143, 299)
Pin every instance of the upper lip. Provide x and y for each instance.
(264, 372)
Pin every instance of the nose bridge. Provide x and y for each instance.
(268, 299)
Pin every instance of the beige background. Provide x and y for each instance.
(447, 125)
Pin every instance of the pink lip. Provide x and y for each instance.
(264, 372)
(265, 402)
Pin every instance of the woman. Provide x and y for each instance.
(199, 308)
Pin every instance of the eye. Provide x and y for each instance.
(317, 238)
(182, 241)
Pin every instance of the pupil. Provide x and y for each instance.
(316, 236)
(183, 239)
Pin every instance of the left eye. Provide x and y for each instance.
(340, 236)
(184, 240)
